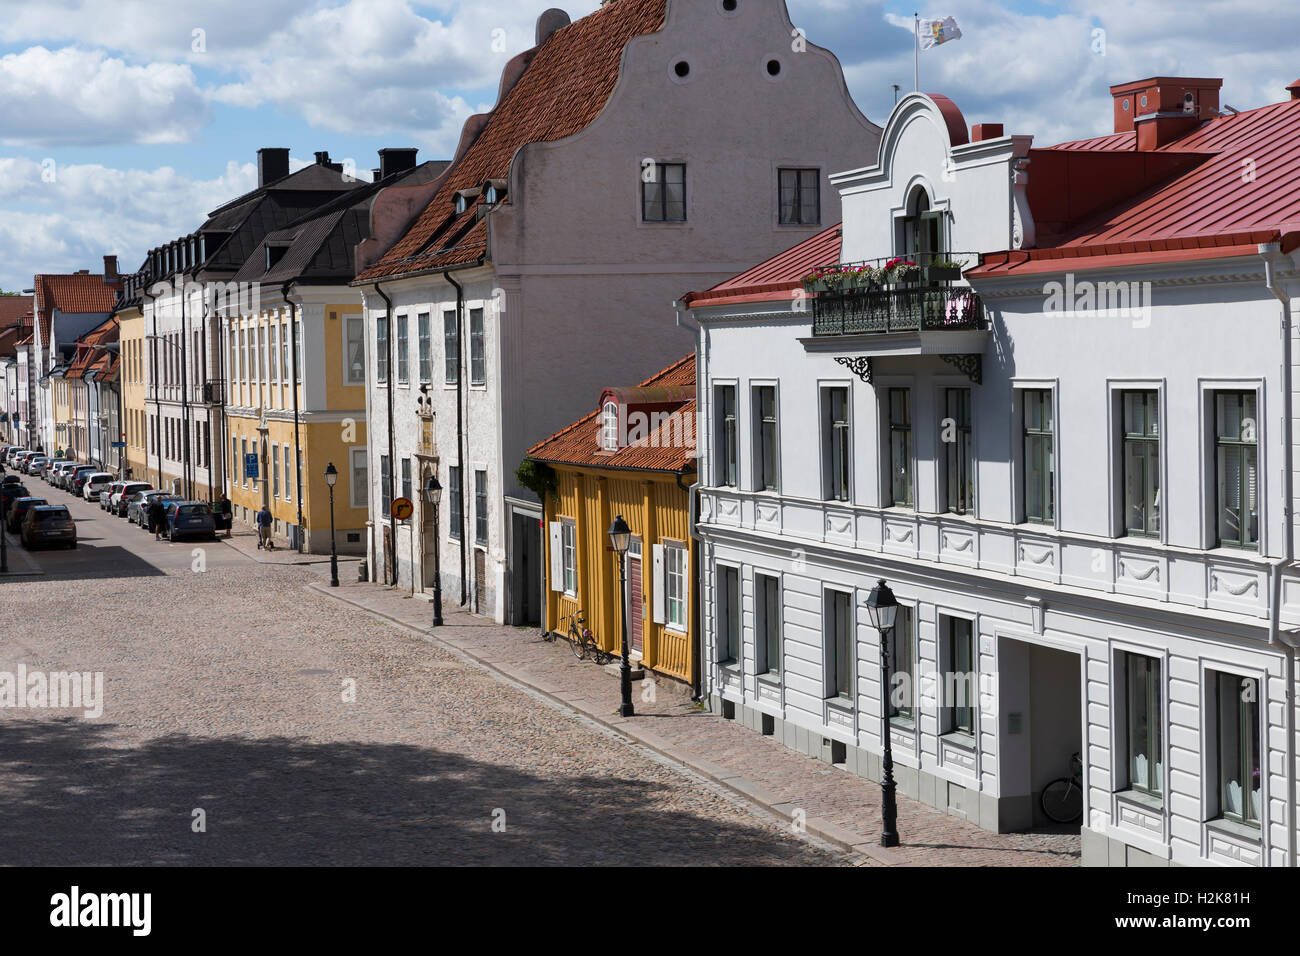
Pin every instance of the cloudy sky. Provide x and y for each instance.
(123, 121)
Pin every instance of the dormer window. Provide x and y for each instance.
(464, 199)
(490, 197)
(494, 191)
(461, 205)
(609, 427)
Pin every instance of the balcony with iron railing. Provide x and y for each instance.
(911, 305)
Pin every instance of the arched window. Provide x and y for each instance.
(609, 427)
(922, 228)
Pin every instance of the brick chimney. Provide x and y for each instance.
(110, 269)
(982, 131)
(1294, 90)
(272, 164)
(1163, 108)
(395, 160)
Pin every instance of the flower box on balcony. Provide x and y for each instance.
(942, 273)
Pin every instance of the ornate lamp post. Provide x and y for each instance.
(883, 609)
(433, 495)
(620, 537)
(331, 478)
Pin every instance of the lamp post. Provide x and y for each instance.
(883, 609)
(433, 495)
(331, 477)
(620, 536)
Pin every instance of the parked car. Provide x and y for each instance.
(11, 480)
(118, 503)
(47, 468)
(33, 465)
(138, 506)
(65, 469)
(78, 475)
(8, 494)
(18, 510)
(20, 463)
(106, 493)
(95, 484)
(11, 459)
(48, 525)
(190, 519)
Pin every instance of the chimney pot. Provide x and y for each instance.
(272, 164)
(1294, 90)
(396, 160)
(323, 158)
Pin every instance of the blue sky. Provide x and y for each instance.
(123, 121)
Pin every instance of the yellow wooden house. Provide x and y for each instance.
(634, 456)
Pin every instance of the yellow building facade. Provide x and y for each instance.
(132, 371)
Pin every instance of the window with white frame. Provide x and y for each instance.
(1236, 457)
(286, 340)
(902, 688)
(569, 555)
(243, 457)
(959, 681)
(675, 595)
(273, 347)
(1141, 437)
(403, 350)
(1143, 741)
(451, 348)
(480, 507)
(725, 443)
(767, 454)
(1234, 747)
(609, 427)
(406, 479)
(360, 478)
(385, 485)
(288, 471)
(356, 350)
(728, 615)
(1038, 459)
(381, 349)
(767, 623)
(477, 348)
(426, 349)
(275, 470)
(959, 451)
(455, 506)
(836, 444)
(900, 448)
(837, 628)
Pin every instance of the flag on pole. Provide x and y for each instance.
(933, 32)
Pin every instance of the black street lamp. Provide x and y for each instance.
(331, 477)
(883, 609)
(620, 537)
(433, 495)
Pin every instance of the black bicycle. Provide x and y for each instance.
(581, 641)
(1062, 799)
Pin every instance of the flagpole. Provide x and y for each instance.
(916, 52)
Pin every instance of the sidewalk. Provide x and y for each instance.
(836, 806)
(245, 541)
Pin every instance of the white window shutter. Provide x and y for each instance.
(660, 585)
(556, 532)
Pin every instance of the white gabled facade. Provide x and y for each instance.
(1083, 635)
(574, 284)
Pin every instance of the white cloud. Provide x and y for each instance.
(83, 212)
(77, 97)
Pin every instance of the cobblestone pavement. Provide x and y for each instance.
(840, 806)
(224, 693)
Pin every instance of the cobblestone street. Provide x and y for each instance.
(225, 692)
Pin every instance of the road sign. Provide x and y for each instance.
(403, 509)
(119, 444)
(250, 465)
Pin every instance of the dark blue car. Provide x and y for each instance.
(190, 519)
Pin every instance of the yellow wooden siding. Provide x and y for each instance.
(657, 511)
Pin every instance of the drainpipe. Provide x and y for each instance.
(297, 441)
(392, 455)
(693, 511)
(461, 370)
(1271, 252)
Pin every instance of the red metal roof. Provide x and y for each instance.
(579, 443)
(776, 278)
(563, 88)
(1244, 188)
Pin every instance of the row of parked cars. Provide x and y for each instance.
(32, 518)
(120, 497)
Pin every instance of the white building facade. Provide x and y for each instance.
(586, 237)
(1085, 519)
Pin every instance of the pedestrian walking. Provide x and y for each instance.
(227, 514)
(264, 521)
(157, 516)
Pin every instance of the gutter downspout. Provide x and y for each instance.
(693, 512)
(297, 439)
(460, 426)
(1271, 252)
(392, 459)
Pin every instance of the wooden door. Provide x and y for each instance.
(635, 607)
(480, 581)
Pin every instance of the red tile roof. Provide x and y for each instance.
(562, 90)
(13, 308)
(1243, 189)
(90, 352)
(778, 277)
(579, 443)
(80, 293)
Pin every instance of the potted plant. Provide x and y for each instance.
(943, 269)
(900, 270)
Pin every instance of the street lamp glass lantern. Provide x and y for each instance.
(331, 474)
(882, 606)
(620, 536)
(433, 490)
